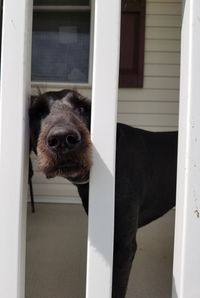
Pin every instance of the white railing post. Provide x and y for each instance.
(187, 230)
(14, 140)
(103, 133)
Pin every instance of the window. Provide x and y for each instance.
(61, 41)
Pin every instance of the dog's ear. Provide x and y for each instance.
(30, 175)
(33, 99)
(31, 147)
(38, 91)
(30, 169)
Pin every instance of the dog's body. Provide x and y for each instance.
(145, 168)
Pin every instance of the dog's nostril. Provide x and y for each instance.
(53, 142)
(72, 139)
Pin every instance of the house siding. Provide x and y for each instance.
(155, 106)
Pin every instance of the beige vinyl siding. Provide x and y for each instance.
(155, 106)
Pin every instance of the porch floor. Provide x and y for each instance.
(56, 255)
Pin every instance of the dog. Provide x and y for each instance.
(146, 164)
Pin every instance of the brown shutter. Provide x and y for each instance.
(132, 43)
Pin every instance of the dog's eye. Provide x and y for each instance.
(81, 109)
(36, 114)
(40, 115)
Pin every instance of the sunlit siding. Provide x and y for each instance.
(155, 106)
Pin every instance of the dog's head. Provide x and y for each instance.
(59, 132)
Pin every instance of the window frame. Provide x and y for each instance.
(69, 8)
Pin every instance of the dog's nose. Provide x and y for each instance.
(60, 139)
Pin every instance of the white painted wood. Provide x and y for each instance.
(15, 87)
(186, 270)
(44, 86)
(103, 134)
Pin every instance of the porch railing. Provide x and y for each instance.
(15, 88)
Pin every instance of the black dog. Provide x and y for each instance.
(145, 168)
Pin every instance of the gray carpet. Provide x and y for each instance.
(56, 255)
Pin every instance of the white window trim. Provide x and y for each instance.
(59, 85)
(71, 85)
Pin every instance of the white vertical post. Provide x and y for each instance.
(103, 133)
(187, 231)
(14, 140)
